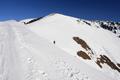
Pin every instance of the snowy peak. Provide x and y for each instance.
(108, 25)
(52, 15)
(95, 43)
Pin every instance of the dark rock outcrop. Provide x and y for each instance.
(83, 55)
(105, 60)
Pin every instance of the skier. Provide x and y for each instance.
(54, 42)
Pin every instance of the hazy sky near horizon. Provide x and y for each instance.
(85, 9)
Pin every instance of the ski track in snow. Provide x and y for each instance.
(33, 72)
(8, 56)
(9, 59)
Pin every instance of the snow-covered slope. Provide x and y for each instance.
(88, 41)
(59, 47)
(26, 56)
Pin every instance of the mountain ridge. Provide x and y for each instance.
(108, 25)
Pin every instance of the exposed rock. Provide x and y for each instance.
(87, 23)
(118, 64)
(105, 60)
(83, 55)
(33, 20)
(82, 43)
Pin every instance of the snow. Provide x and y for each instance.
(62, 29)
(26, 56)
(59, 27)
(27, 52)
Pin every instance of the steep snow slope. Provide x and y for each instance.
(89, 42)
(26, 56)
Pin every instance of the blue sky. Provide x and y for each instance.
(85, 9)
